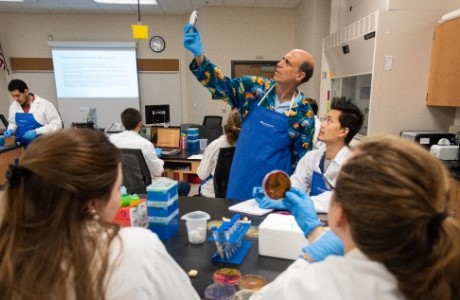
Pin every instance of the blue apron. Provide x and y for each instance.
(25, 122)
(263, 146)
(318, 184)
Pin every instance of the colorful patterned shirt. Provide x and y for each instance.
(247, 91)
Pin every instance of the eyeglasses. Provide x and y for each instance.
(329, 183)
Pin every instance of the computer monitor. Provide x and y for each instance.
(157, 114)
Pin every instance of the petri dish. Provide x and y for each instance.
(219, 291)
(244, 294)
(227, 275)
(252, 282)
(276, 184)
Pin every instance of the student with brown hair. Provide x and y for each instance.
(208, 163)
(57, 239)
(389, 209)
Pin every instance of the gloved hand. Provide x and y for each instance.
(192, 40)
(301, 207)
(8, 133)
(264, 201)
(30, 135)
(325, 245)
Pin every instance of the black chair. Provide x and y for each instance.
(222, 171)
(136, 174)
(212, 121)
(210, 132)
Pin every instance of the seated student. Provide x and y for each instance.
(130, 139)
(208, 163)
(389, 209)
(57, 240)
(337, 130)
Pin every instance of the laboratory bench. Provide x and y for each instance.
(9, 155)
(453, 209)
(198, 256)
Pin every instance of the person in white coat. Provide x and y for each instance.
(29, 114)
(208, 163)
(398, 239)
(338, 128)
(58, 240)
(131, 119)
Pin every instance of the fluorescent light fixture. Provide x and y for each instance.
(131, 2)
(11, 0)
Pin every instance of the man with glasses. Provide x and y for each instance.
(320, 166)
(277, 120)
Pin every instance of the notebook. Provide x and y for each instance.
(168, 139)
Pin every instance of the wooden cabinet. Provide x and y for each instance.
(443, 84)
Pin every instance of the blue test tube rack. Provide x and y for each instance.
(231, 248)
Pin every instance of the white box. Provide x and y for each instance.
(281, 237)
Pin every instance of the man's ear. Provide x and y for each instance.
(301, 76)
(344, 131)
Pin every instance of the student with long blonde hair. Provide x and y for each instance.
(56, 236)
(389, 209)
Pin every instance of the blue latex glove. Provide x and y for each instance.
(8, 133)
(30, 135)
(264, 201)
(327, 244)
(192, 40)
(301, 207)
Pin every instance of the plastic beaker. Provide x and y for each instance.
(219, 291)
(203, 144)
(195, 222)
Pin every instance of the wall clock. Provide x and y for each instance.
(157, 44)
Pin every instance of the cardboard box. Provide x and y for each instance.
(133, 216)
(281, 237)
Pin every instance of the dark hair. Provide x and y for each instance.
(47, 233)
(17, 84)
(394, 195)
(307, 68)
(233, 126)
(130, 118)
(350, 117)
(313, 104)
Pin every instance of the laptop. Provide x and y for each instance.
(168, 139)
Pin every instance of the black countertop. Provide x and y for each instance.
(8, 148)
(454, 168)
(198, 257)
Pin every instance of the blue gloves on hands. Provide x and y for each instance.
(8, 133)
(192, 40)
(30, 135)
(264, 201)
(325, 245)
(301, 207)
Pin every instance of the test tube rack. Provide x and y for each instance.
(231, 248)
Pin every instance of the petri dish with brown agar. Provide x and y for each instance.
(227, 275)
(276, 184)
(252, 282)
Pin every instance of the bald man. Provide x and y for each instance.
(278, 122)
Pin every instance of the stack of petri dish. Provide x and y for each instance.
(193, 143)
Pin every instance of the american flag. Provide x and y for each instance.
(2, 60)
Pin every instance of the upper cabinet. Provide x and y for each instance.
(444, 81)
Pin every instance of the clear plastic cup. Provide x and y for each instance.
(196, 226)
(219, 291)
(203, 144)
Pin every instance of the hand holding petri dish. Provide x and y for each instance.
(276, 184)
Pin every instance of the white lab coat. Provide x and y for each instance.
(302, 177)
(145, 270)
(44, 113)
(132, 140)
(208, 164)
(318, 144)
(353, 276)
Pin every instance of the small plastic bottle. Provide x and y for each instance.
(183, 141)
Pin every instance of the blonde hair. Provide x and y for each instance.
(233, 126)
(48, 237)
(394, 195)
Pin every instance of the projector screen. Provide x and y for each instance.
(99, 75)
